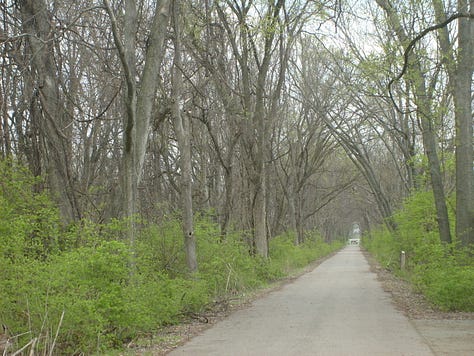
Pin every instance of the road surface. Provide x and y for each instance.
(337, 309)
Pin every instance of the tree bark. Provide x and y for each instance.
(259, 120)
(183, 135)
(54, 127)
(460, 71)
(464, 131)
(138, 99)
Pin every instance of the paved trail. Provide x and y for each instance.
(337, 309)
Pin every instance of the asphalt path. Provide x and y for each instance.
(339, 308)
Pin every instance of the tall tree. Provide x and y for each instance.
(254, 121)
(139, 97)
(423, 98)
(460, 70)
(48, 110)
(463, 99)
(182, 128)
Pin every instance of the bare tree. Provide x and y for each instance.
(139, 97)
(423, 97)
(50, 114)
(182, 128)
(460, 69)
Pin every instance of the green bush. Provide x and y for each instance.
(84, 283)
(225, 263)
(449, 287)
(384, 247)
(285, 256)
(160, 249)
(29, 223)
(443, 272)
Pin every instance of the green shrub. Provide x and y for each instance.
(77, 281)
(160, 249)
(449, 287)
(85, 284)
(443, 272)
(29, 222)
(383, 246)
(225, 264)
(286, 257)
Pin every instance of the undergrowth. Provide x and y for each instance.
(72, 291)
(444, 273)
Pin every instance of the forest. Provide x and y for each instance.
(157, 156)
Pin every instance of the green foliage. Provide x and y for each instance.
(450, 285)
(421, 165)
(444, 273)
(227, 266)
(384, 247)
(285, 256)
(85, 284)
(77, 281)
(29, 225)
(417, 227)
(161, 248)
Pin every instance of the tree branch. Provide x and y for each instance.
(120, 48)
(412, 44)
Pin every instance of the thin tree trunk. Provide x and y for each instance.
(299, 201)
(183, 134)
(227, 204)
(261, 155)
(291, 198)
(260, 183)
(429, 142)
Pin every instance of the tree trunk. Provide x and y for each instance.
(138, 102)
(183, 134)
(228, 200)
(460, 71)
(261, 127)
(464, 132)
(299, 218)
(53, 128)
(429, 142)
(291, 199)
(260, 194)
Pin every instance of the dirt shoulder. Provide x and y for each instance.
(407, 300)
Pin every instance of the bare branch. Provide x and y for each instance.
(411, 45)
(120, 48)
